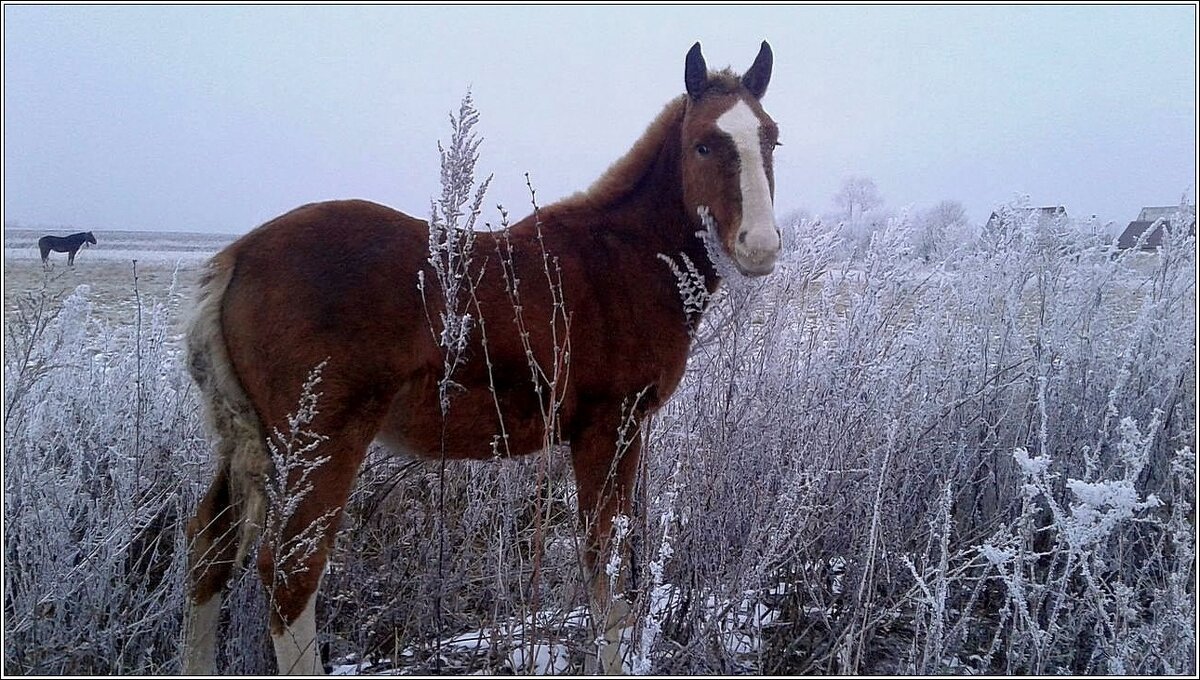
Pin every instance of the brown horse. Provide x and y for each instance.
(348, 285)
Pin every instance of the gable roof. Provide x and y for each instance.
(1134, 231)
(1136, 228)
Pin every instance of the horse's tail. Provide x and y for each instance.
(242, 458)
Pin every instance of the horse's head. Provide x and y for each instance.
(90, 239)
(727, 168)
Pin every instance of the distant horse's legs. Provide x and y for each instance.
(605, 458)
(45, 254)
(71, 257)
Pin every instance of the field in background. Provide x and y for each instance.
(164, 259)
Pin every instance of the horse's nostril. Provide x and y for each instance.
(742, 237)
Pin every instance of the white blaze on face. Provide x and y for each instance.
(758, 249)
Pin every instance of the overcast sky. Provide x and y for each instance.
(219, 118)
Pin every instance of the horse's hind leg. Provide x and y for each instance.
(226, 524)
(295, 547)
(213, 541)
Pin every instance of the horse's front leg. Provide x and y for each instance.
(605, 457)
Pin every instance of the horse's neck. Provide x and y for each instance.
(652, 218)
(660, 226)
(639, 202)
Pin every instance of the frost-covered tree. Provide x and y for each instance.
(859, 206)
(939, 228)
(857, 192)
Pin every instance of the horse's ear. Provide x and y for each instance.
(695, 72)
(759, 75)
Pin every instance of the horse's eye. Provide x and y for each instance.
(702, 149)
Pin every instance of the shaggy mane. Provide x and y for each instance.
(624, 175)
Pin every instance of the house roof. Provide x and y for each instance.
(1044, 213)
(1047, 216)
(1135, 229)
(1151, 213)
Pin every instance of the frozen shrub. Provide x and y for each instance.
(979, 463)
(101, 459)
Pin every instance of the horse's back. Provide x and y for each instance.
(317, 236)
(325, 262)
(336, 223)
(332, 281)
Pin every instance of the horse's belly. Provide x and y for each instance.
(473, 426)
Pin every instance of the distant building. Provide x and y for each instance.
(1149, 214)
(1048, 216)
(1049, 220)
(1146, 219)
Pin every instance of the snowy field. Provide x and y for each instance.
(981, 463)
(164, 259)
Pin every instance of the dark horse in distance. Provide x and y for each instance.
(344, 285)
(64, 244)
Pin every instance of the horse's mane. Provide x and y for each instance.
(624, 175)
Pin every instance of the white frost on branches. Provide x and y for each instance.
(294, 462)
(452, 237)
(720, 259)
(693, 291)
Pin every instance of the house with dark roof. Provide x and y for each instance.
(1007, 222)
(1049, 217)
(1147, 218)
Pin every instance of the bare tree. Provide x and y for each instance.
(940, 225)
(859, 192)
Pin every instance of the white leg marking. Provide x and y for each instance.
(296, 647)
(611, 649)
(761, 244)
(200, 646)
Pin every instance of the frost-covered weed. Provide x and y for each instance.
(93, 543)
(980, 464)
(854, 433)
(914, 380)
(296, 462)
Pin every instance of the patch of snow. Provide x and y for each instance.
(540, 659)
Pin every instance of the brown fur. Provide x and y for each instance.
(337, 282)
